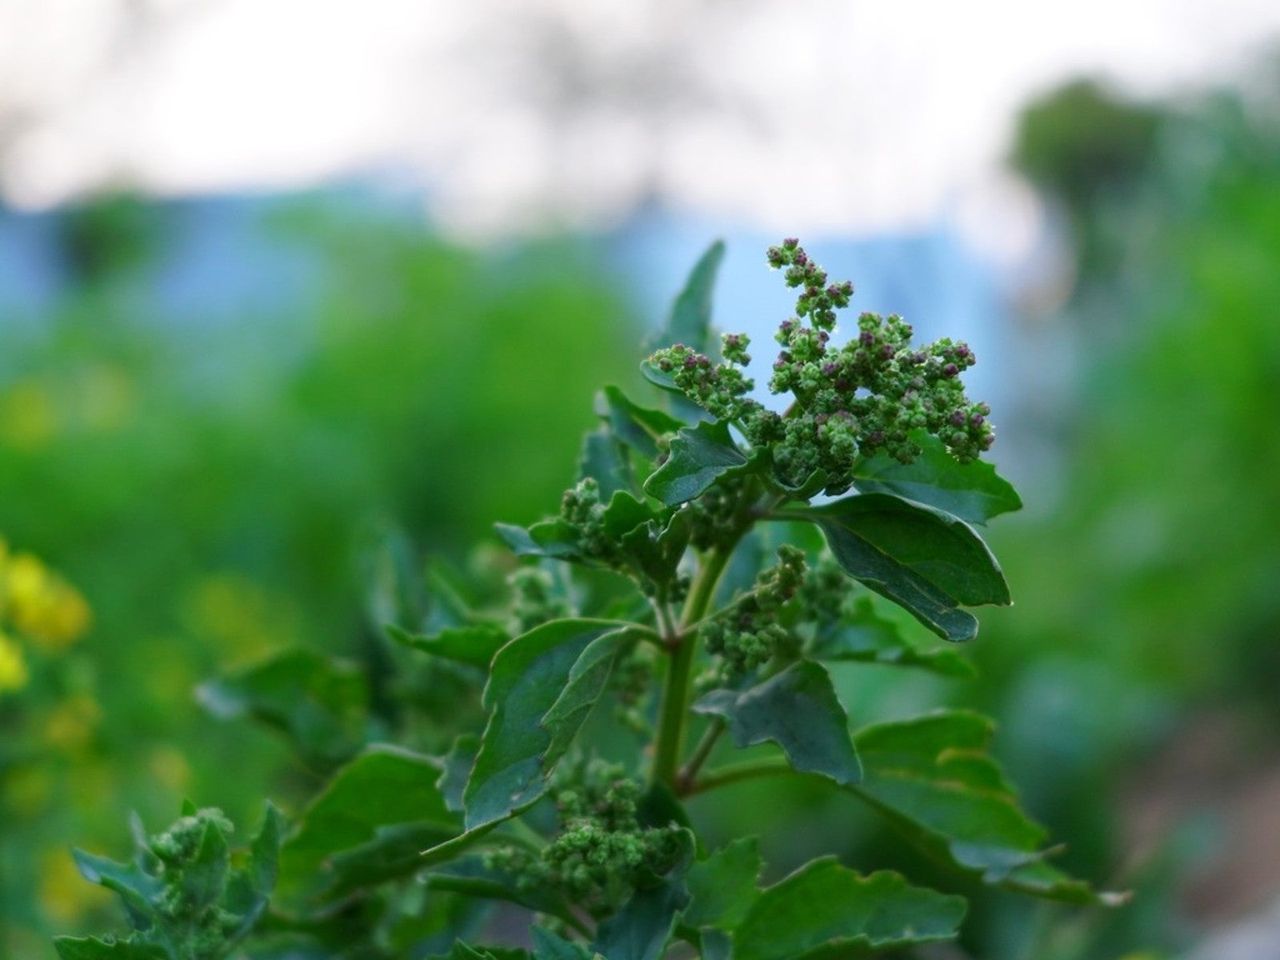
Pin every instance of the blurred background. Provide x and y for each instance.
(280, 280)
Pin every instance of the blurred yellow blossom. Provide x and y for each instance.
(13, 667)
(28, 791)
(168, 765)
(28, 418)
(71, 725)
(40, 604)
(64, 895)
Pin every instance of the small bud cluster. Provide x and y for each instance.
(720, 388)
(854, 400)
(602, 853)
(533, 600)
(748, 633)
(825, 592)
(582, 509)
(714, 517)
(184, 898)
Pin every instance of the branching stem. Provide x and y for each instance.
(675, 693)
(746, 770)
(685, 779)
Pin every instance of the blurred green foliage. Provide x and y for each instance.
(211, 487)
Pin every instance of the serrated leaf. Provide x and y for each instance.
(825, 910)
(933, 778)
(927, 561)
(474, 644)
(383, 787)
(699, 456)
(135, 887)
(971, 491)
(553, 538)
(93, 948)
(604, 460)
(639, 427)
(319, 702)
(723, 887)
(863, 635)
(528, 675)
(796, 709)
(624, 513)
(642, 928)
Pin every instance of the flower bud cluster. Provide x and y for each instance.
(858, 399)
(582, 509)
(720, 388)
(183, 898)
(714, 517)
(533, 600)
(602, 853)
(748, 633)
(825, 592)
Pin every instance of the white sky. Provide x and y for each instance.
(803, 115)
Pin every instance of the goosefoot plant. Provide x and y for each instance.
(714, 559)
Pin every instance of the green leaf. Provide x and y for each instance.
(971, 491)
(587, 680)
(639, 427)
(92, 948)
(395, 851)
(471, 877)
(527, 678)
(548, 946)
(136, 887)
(723, 887)
(699, 456)
(927, 561)
(206, 875)
(825, 910)
(463, 951)
(319, 702)
(865, 636)
(605, 461)
(642, 928)
(250, 886)
(798, 710)
(457, 768)
(385, 786)
(474, 644)
(553, 538)
(933, 778)
(690, 319)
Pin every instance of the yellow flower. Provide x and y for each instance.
(13, 666)
(28, 416)
(71, 725)
(64, 895)
(41, 605)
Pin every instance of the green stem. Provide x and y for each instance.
(675, 692)
(746, 770)
(684, 780)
